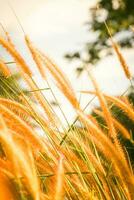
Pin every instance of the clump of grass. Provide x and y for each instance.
(79, 162)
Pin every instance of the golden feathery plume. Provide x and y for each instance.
(15, 106)
(16, 124)
(36, 57)
(7, 35)
(60, 78)
(104, 107)
(118, 125)
(129, 112)
(122, 105)
(21, 160)
(4, 69)
(119, 55)
(14, 53)
(59, 190)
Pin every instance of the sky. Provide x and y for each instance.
(58, 27)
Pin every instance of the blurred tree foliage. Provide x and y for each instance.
(119, 15)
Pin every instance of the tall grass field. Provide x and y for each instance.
(40, 158)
